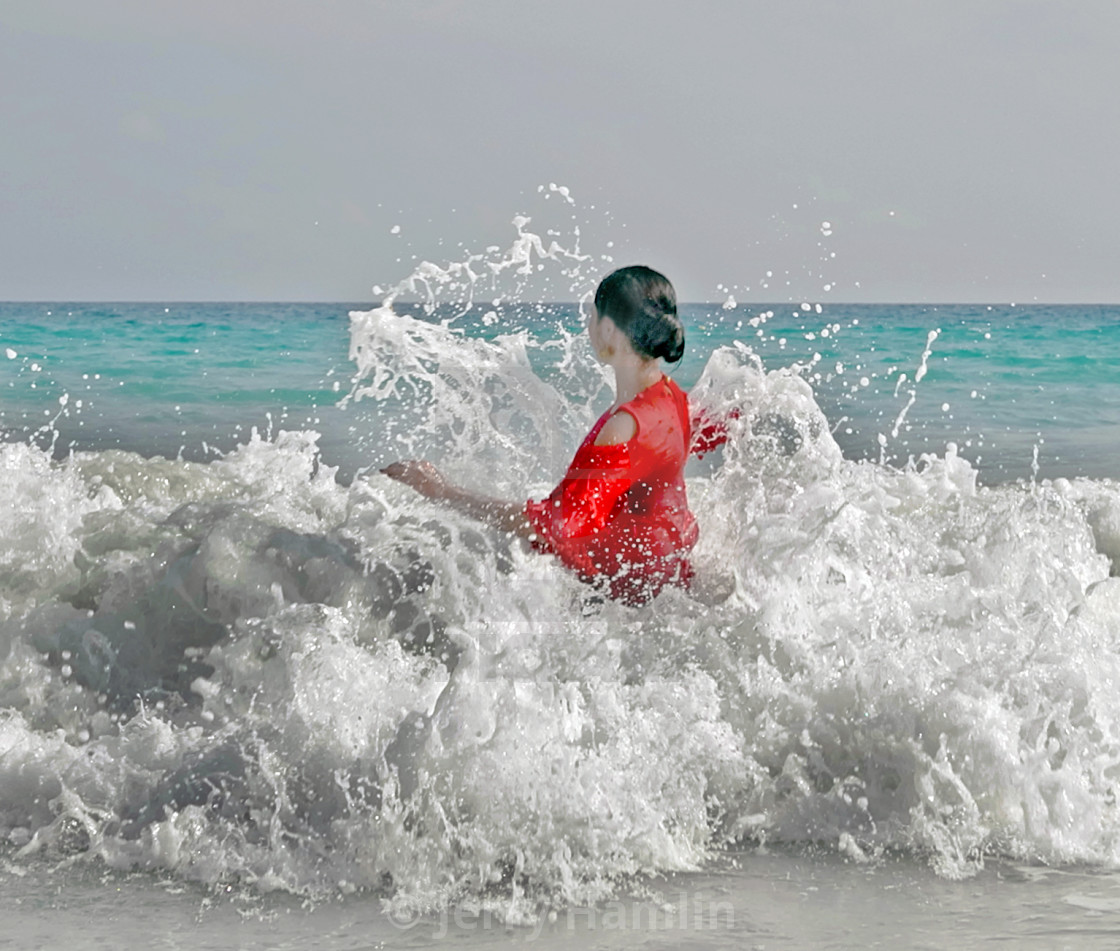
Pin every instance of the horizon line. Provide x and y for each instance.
(695, 303)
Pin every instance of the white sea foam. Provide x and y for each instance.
(346, 686)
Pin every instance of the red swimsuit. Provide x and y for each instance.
(620, 515)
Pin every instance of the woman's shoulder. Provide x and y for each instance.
(620, 428)
(658, 410)
(656, 405)
(663, 397)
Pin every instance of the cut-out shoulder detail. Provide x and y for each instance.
(620, 428)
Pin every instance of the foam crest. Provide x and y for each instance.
(476, 405)
(922, 663)
(458, 281)
(42, 509)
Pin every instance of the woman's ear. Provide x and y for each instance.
(614, 340)
(608, 331)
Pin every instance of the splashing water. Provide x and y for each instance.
(346, 686)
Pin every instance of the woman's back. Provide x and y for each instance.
(621, 513)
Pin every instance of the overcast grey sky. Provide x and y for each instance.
(962, 150)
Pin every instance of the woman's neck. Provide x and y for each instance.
(631, 376)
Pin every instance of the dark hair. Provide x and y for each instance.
(643, 305)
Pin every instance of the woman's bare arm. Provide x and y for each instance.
(430, 482)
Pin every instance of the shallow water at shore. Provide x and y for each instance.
(747, 900)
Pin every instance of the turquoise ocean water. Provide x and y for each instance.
(1002, 381)
(237, 661)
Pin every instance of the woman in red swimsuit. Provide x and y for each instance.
(620, 516)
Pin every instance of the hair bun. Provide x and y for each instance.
(658, 331)
(672, 348)
(642, 303)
